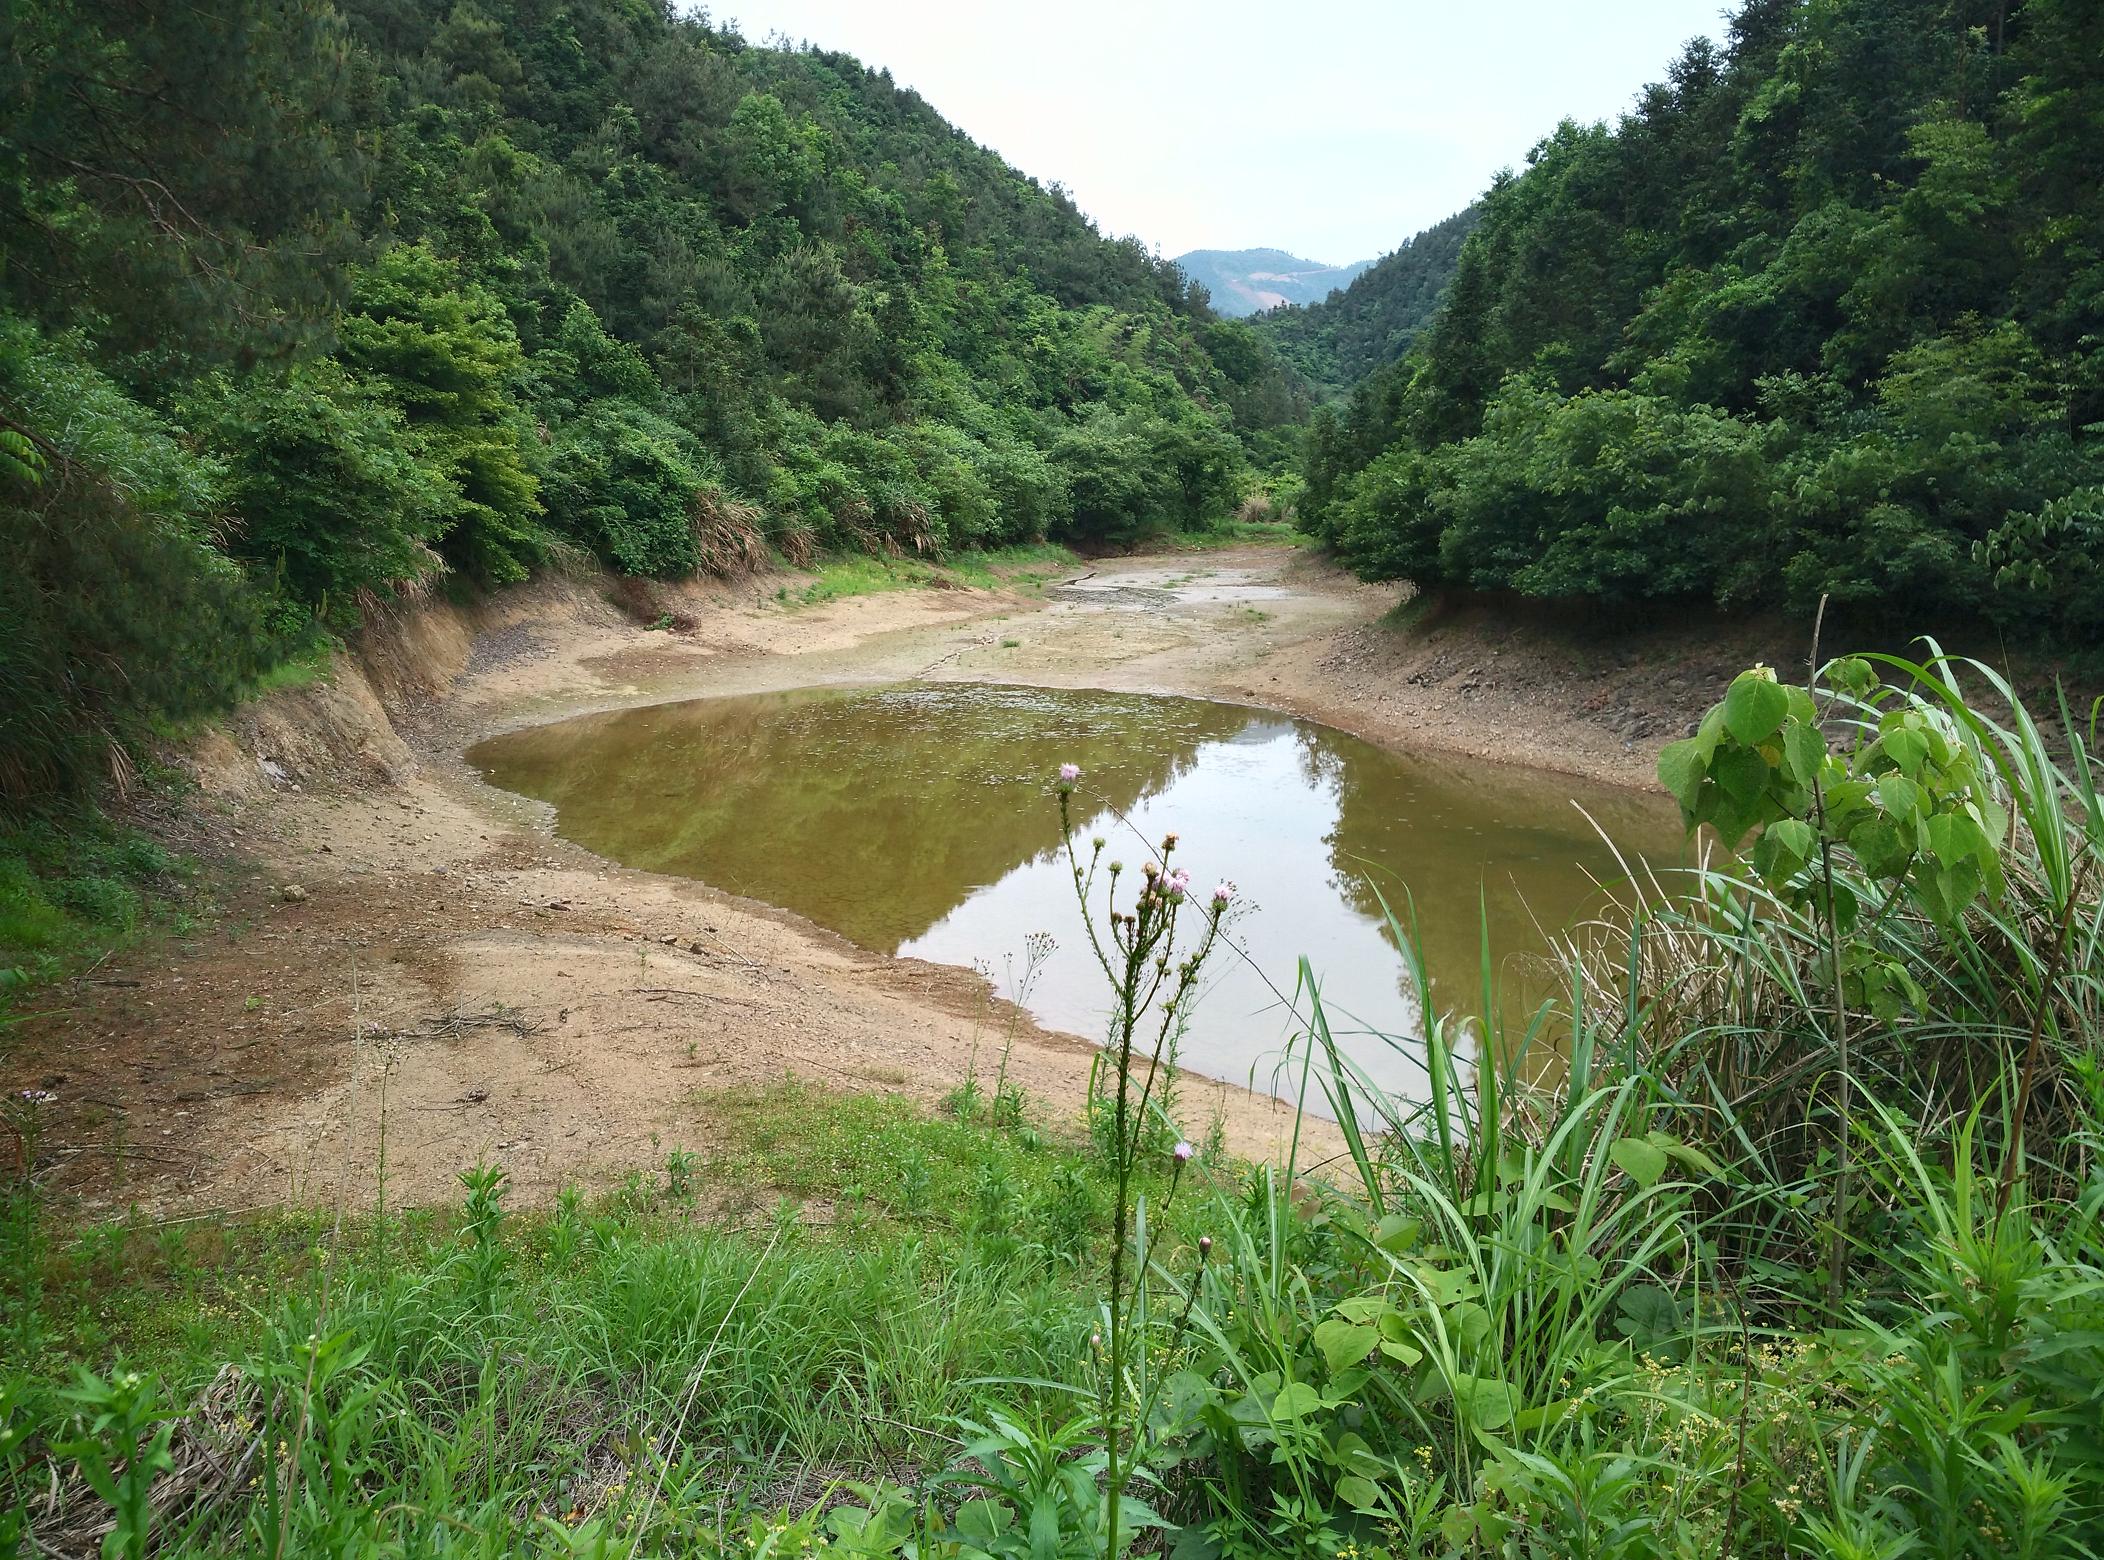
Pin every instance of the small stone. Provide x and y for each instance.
(292, 893)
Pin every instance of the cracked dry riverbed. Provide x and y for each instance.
(411, 962)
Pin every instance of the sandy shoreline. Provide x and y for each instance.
(410, 958)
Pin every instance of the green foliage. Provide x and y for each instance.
(1372, 322)
(1817, 319)
(345, 301)
(1527, 1311)
(644, 1376)
(115, 606)
(625, 482)
(334, 502)
(445, 355)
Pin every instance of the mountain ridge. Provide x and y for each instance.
(1338, 340)
(1243, 282)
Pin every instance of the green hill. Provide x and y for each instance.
(1337, 341)
(1822, 317)
(308, 307)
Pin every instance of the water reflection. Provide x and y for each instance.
(919, 820)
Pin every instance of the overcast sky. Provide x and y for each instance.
(1332, 128)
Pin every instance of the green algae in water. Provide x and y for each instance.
(920, 820)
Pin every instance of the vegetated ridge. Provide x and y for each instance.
(1822, 316)
(310, 306)
(1241, 282)
(1337, 341)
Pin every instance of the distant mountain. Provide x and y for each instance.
(1248, 281)
(1338, 341)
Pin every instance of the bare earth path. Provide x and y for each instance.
(414, 964)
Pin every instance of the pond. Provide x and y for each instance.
(921, 820)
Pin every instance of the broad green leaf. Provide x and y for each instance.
(1906, 748)
(1044, 1530)
(1754, 706)
(1364, 1308)
(1742, 774)
(1397, 1232)
(1486, 1402)
(1687, 1153)
(1795, 836)
(1358, 1493)
(1344, 1344)
(1899, 796)
(1295, 1400)
(1681, 766)
(983, 1519)
(1804, 750)
(1956, 837)
(1405, 1354)
(1468, 1322)
(1853, 674)
(1346, 1387)
(1881, 848)
(1643, 1161)
(1444, 1284)
(1786, 845)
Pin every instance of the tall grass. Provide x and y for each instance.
(1597, 1316)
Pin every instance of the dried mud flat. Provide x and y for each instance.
(410, 971)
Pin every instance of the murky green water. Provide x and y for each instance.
(920, 820)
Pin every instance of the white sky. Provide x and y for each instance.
(1332, 128)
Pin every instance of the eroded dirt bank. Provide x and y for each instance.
(416, 972)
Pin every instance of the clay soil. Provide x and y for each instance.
(405, 970)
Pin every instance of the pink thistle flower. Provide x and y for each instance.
(1222, 893)
(1182, 1153)
(1070, 773)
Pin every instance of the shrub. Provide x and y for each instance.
(624, 482)
(331, 496)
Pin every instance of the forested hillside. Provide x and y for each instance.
(1338, 341)
(1824, 315)
(307, 306)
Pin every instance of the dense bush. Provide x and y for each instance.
(324, 476)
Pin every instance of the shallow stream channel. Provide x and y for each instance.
(921, 820)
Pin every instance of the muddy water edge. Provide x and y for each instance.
(457, 981)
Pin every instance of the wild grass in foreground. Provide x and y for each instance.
(1798, 1255)
(554, 1381)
